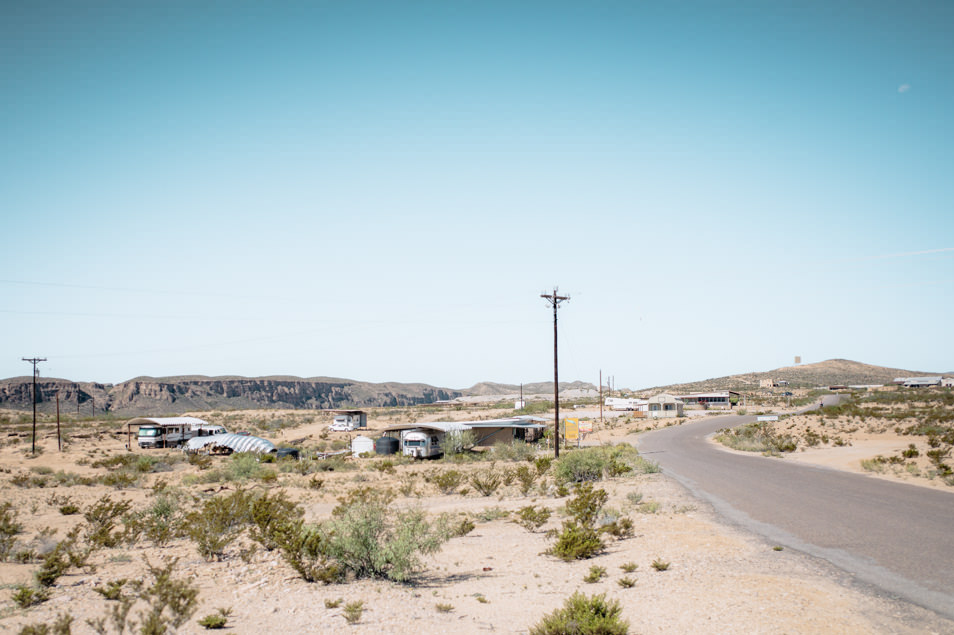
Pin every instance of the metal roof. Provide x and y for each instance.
(235, 442)
(461, 426)
(167, 421)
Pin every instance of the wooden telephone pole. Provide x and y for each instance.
(554, 300)
(34, 361)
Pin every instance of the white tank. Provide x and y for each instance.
(361, 444)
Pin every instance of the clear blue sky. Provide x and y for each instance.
(382, 190)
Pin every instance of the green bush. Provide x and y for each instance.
(447, 481)
(171, 602)
(595, 463)
(218, 522)
(595, 574)
(532, 518)
(582, 615)
(486, 481)
(579, 537)
(368, 539)
(269, 514)
(10, 527)
(25, 596)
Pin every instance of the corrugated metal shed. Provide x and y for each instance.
(235, 442)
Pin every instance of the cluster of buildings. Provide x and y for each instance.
(925, 382)
(667, 405)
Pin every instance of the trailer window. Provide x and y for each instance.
(414, 443)
(148, 432)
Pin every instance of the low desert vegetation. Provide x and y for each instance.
(584, 615)
(241, 508)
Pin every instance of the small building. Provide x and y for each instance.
(663, 406)
(350, 419)
(919, 382)
(947, 382)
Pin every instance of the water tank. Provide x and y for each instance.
(360, 445)
(387, 445)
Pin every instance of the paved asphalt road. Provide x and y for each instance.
(897, 537)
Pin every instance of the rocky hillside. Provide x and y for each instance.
(827, 373)
(538, 388)
(167, 395)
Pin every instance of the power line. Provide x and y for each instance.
(34, 361)
(554, 300)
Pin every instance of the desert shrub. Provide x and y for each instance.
(911, 452)
(368, 539)
(447, 481)
(269, 515)
(660, 565)
(463, 527)
(102, 518)
(490, 514)
(514, 451)
(201, 461)
(756, 437)
(577, 466)
(542, 464)
(526, 477)
(113, 589)
(582, 615)
(62, 625)
(171, 602)
(218, 522)
(9, 528)
(626, 582)
(26, 596)
(579, 537)
(161, 522)
(595, 574)
(64, 555)
(532, 518)
(486, 481)
(353, 611)
(628, 567)
(459, 442)
(617, 525)
(216, 620)
(303, 548)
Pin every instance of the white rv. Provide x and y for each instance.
(421, 444)
(171, 432)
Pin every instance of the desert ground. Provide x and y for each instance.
(496, 578)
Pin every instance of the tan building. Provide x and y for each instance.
(663, 406)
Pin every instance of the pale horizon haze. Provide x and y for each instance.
(381, 191)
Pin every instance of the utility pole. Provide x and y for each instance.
(601, 396)
(59, 439)
(34, 361)
(554, 300)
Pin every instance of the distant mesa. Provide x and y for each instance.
(196, 393)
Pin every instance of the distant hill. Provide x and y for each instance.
(189, 393)
(487, 388)
(827, 373)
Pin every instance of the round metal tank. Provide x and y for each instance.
(361, 445)
(387, 445)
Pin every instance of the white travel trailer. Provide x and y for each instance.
(421, 444)
(171, 432)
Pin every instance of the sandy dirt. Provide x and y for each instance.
(495, 579)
